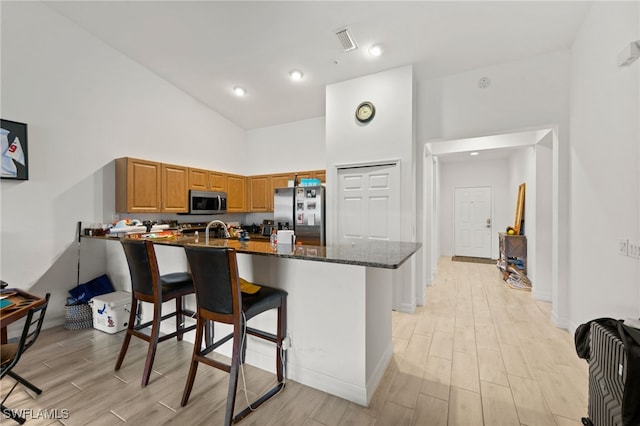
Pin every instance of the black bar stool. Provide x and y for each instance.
(219, 299)
(149, 286)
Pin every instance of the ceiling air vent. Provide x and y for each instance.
(346, 39)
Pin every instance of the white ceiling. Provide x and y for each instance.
(207, 47)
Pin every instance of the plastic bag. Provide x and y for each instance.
(96, 287)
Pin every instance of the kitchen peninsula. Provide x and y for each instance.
(339, 305)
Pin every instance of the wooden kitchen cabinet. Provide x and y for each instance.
(260, 195)
(207, 180)
(236, 194)
(138, 186)
(144, 186)
(312, 174)
(261, 187)
(175, 189)
(280, 181)
(320, 174)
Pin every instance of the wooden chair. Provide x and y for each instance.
(219, 299)
(149, 286)
(10, 354)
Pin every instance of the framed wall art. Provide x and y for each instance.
(15, 161)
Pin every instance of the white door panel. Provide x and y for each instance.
(379, 181)
(472, 222)
(352, 216)
(376, 213)
(352, 182)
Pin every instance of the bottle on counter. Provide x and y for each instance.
(273, 239)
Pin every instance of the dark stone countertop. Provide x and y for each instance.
(377, 254)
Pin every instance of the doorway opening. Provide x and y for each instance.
(507, 161)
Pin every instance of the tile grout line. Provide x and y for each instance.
(118, 416)
(167, 406)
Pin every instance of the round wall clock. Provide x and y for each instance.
(365, 112)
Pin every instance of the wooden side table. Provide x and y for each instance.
(21, 302)
(513, 248)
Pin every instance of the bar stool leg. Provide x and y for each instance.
(233, 375)
(127, 337)
(194, 362)
(282, 334)
(153, 343)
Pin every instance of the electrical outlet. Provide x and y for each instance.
(115, 217)
(287, 341)
(633, 249)
(623, 247)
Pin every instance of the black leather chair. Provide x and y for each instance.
(10, 354)
(219, 299)
(149, 286)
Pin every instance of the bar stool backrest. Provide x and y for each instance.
(143, 265)
(215, 278)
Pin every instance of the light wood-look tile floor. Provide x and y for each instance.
(478, 353)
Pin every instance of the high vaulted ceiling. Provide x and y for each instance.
(206, 48)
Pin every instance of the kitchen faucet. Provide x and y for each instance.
(219, 222)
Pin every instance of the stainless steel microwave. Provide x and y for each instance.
(207, 202)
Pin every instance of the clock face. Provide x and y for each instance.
(365, 112)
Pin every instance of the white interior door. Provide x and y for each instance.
(369, 203)
(472, 223)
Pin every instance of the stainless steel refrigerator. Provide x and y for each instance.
(301, 209)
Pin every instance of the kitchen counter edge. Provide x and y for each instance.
(376, 254)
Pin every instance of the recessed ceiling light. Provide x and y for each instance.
(296, 75)
(474, 153)
(239, 91)
(375, 50)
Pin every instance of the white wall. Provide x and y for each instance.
(541, 249)
(85, 105)
(522, 170)
(459, 174)
(605, 106)
(299, 145)
(389, 136)
(529, 94)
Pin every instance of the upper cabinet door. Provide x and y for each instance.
(280, 181)
(320, 174)
(217, 181)
(198, 179)
(138, 186)
(175, 188)
(207, 180)
(236, 194)
(260, 194)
